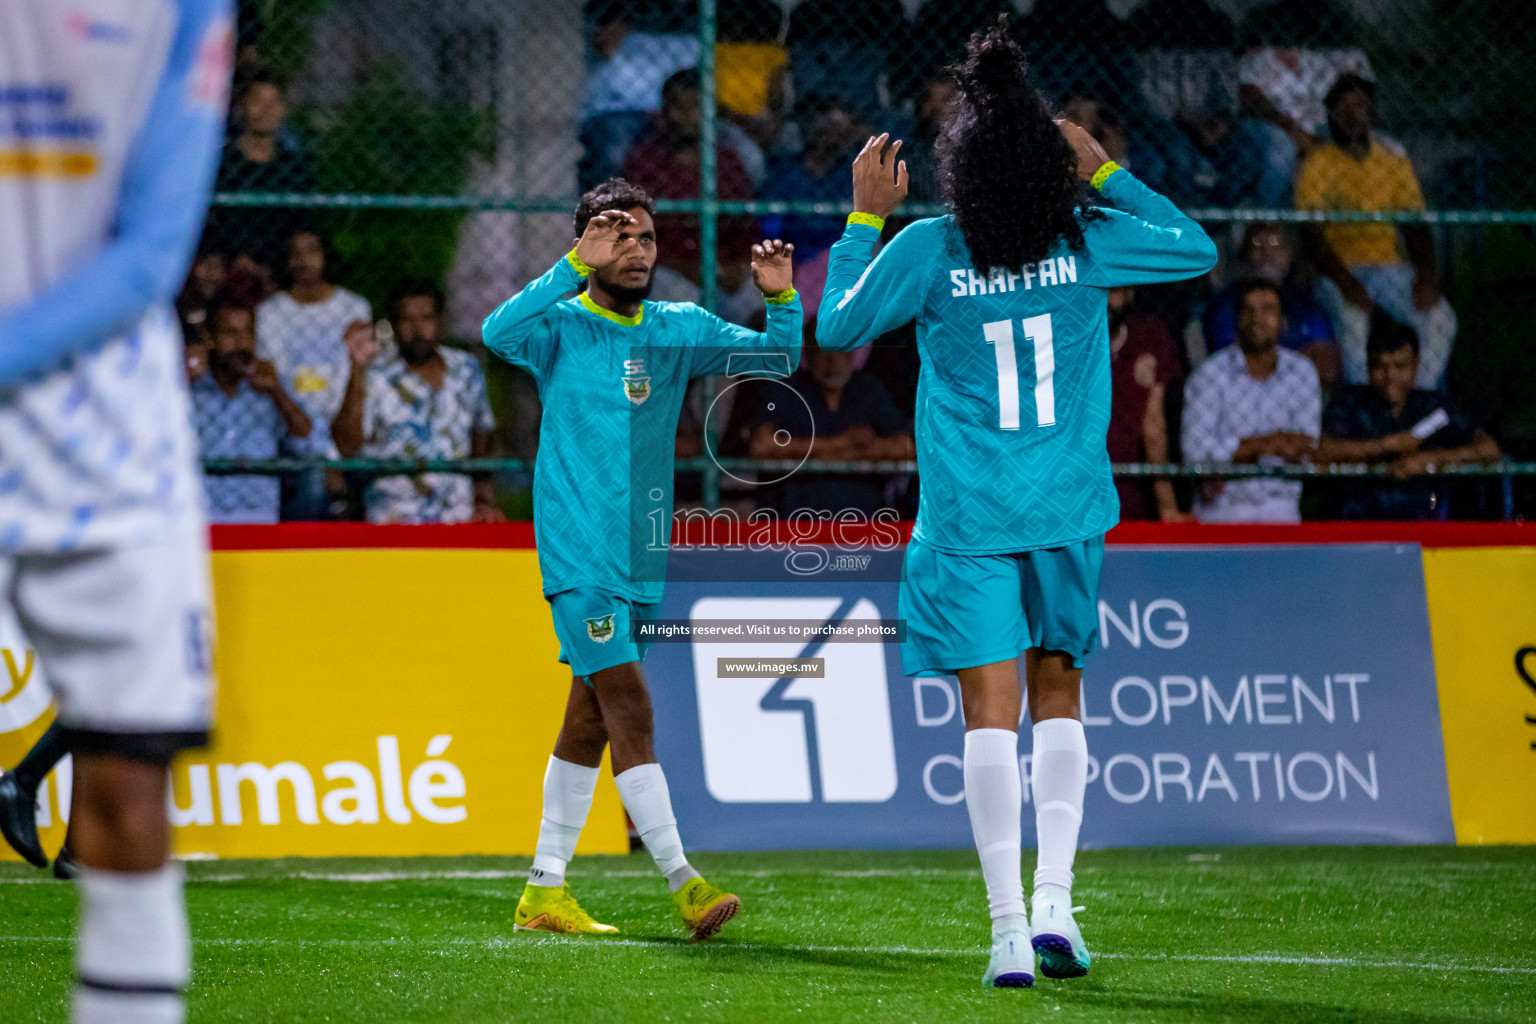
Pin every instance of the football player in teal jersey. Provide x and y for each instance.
(1013, 404)
(612, 368)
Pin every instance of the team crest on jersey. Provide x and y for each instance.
(637, 386)
(600, 629)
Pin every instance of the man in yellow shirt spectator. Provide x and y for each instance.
(1362, 264)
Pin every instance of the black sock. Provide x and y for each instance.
(49, 749)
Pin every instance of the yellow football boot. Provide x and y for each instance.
(705, 909)
(552, 908)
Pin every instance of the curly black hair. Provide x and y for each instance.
(1006, 170)
(613, 194)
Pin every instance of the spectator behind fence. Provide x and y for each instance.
(300, 330)
(240, 411)
(846, 415)
(624, 83)
(665, 162)
(751, 67)
(834, 132)
(1391, 421)
(1361, 265)
(204, 279)
(1266, 253)
(1253, 402)
(1142, 364)
(259, 160)
(1281, 90)
(429, 402)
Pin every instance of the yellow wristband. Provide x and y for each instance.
(1102, 174)
(582, 270)
(867, 219)
(780, 298)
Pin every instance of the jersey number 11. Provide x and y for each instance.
(999, 334)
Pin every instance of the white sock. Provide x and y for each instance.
(1060, 772)
(568, 790)
(644, 791)
(994, 795)
(133, 956)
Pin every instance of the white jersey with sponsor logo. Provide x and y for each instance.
(111, 113)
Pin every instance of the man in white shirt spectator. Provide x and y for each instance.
(1253, 402)
(300, 332)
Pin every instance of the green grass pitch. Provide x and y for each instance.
(1422, 935)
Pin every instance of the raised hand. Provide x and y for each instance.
(772, 267)
(1090, 155)
(600, 245)
(360, 342)
(879, 179)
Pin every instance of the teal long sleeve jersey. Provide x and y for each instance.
(1013, 398)
(612, 388)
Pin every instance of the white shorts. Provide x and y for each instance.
(125, 637)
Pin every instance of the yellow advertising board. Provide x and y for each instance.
(1482, 618)
(371, 703)
(395, 702)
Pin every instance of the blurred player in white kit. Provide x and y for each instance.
(111, 115)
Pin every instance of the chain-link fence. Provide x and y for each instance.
(412, 165)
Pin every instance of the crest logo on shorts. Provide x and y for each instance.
(637, 386)
(600, 629)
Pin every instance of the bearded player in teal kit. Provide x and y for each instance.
(612, 369)
(1013, 407)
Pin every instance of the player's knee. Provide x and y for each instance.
(121, 795)
(587, 732)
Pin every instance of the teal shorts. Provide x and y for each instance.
(596, 629)
(967, 610)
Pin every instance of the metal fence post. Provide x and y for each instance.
(709, 212)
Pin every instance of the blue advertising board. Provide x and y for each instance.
(1239, 695)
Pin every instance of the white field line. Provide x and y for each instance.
(410, 876)
(501, 944)
(365, 877)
